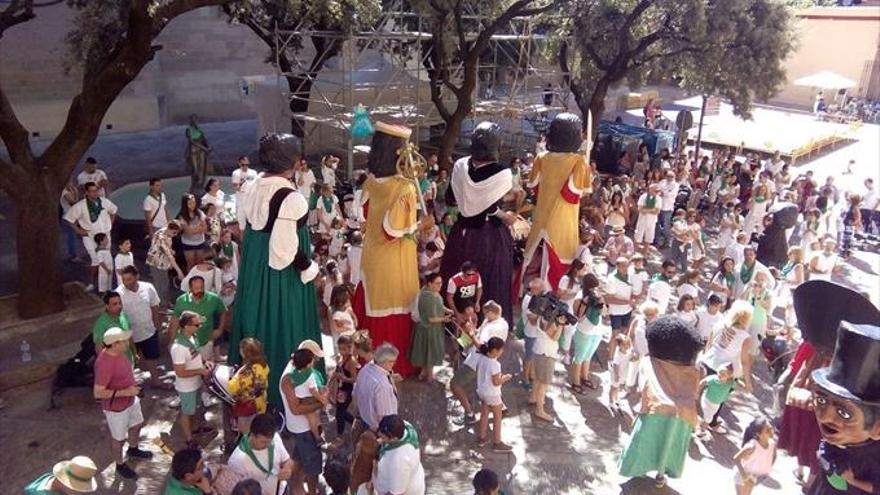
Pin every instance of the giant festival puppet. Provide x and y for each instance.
(481, 234)
(275, 300)
(562, 177)
(846, 393)
(389, 266)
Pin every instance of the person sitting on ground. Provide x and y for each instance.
(188, 474)
(67, 477)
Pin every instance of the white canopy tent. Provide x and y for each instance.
(826, 79)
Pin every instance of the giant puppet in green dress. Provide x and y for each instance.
(275, 299)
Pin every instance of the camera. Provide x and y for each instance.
(550, 308)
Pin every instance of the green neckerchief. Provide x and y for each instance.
(445, 229)
(245, 446)
(622, 278)
(228, 250)
(195, 133)
(298, 377)
(763, 296)
(660, 277)
(594, 314)
(788, 268)
(176, 486)
(95, 209)
(327, 202)
(729, 280)
(650, 201)
(424, 184)
(410, 437)
(759, 199)
(745, 273)
(187, 342)
(313, 200)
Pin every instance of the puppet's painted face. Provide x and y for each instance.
(842, 421)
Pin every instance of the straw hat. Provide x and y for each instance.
(78, 474)
(617, 230)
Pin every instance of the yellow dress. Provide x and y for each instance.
(389, 266)
(561, 179)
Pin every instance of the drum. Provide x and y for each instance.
(218, 382)
(520, 228)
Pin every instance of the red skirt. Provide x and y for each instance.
(799, 435)
(394, 329)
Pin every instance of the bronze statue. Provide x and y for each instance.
(197, 150)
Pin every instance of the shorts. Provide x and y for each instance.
(189, 402)
(544, 366)
(149, 348)
(620, 321)
(584, 346)
(709, 409)
(492, 401)
(119, 422)
(529, 347)
(306, 453)
(465, 378)
(739, 480)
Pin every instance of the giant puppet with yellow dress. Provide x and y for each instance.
(561, 177)
(389, 266)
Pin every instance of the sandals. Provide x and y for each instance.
(590, 385)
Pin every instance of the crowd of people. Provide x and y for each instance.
(676, 283)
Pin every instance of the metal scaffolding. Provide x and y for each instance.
(383, 68)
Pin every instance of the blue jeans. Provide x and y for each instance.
(678, 254)
(664, 220)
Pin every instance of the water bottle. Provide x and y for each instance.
(25, 351)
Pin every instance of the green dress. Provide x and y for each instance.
(658, 443)
(428, 346)
(273, 306)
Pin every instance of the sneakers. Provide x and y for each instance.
(126, 472)
(501, 447)
(138, 453)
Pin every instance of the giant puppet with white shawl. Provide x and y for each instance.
(275, 301)
(561, 177)
(389, 280)
(481, 234)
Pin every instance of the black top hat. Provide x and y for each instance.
(486, 142)
(854, 372)
(821, 306)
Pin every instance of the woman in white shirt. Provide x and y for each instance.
(213, 195)
(194, 225)
(588, 332)
(568, 290)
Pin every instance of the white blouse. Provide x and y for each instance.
(254, 210)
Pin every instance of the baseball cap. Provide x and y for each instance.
(115, 334)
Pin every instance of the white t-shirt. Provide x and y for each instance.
(486, 368)
(307, 180)
(79, 214)
(354, 264)
(242, 464)
(328, 175)
(545, 346)
(138, 306)
(213, 279)
(639, 279)
(302, 391)
(825, 263)
(495, 328)
(565, 284)
(217, 200)
(239, 176)
(668, 192)
(400, 472)
(660, 291)
(151, 204)
(191, 360)
(120, 261)
(643, 200)
(707, 322)
(97, 176)
(689, 290)
(105, 279)
(530, 331)
(618, 288)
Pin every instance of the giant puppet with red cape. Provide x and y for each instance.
(561, 177)
(389, 265)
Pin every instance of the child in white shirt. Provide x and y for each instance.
(123, 259)
(337, 238)
(687, 310)
(353, 257)
(489, 382)
(228, 280)
(689, 284)
(307, 386)
(621, 354)
(105, 262)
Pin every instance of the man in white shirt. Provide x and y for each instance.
(304, 178)
(735, 251)
(399, 470)
(668, 192)
(155, 207)
(774, 164)
(140, 301)
(825, 263)
(306, 451)
(660, 287)
(261, 455)
(709, 317)
(619, 296)
(89, 216)
(93, 174)
(745, 272)
(243, 173)
(868, 207)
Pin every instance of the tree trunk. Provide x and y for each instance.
(597, 104)
(464, 105)
(40, 276)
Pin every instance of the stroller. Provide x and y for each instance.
(75, 372)
(682, 197)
